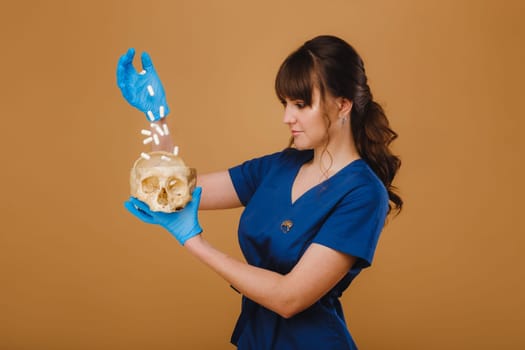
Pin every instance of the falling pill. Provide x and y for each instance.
(156, 139)
(176, 150)
(167, 159)
(147, 140)
(145, 132)
(145, 156)
(161, 111)
(159, 130)
(165, 127)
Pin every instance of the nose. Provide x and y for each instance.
(288, 117)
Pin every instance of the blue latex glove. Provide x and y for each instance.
(137, 88)
(182, 224)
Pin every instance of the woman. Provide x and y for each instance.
(313, 212)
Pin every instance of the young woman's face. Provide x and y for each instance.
(308, 124)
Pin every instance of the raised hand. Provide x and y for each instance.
(143, 90)
(182, 224)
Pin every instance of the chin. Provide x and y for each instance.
(303, 146)
(300, 147)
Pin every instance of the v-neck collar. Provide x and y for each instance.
(306, 158)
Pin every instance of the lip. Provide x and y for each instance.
(295, 132)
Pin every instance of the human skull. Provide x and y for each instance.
(163, 181)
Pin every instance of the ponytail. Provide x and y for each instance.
(373, 135)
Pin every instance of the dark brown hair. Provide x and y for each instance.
(332, 65)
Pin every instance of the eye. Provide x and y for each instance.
(297, 103)
(174, 184)
(150, 184)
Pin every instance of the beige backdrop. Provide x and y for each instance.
(78, 272)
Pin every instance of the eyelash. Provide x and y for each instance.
(299, 105)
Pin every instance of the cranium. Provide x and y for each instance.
(163, 181)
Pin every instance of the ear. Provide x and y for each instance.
(345, 106)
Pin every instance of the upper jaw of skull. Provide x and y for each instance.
(164, 181)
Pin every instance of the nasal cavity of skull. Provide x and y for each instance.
(150, 184)
(162, 199)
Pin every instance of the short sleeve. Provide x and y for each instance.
(247, 176)
(356, 222)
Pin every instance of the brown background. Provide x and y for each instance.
(78, 272)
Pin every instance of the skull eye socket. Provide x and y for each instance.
(150, 184)
(175, 185)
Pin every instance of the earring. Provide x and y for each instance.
(343, 120)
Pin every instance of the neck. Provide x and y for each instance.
(339, 152)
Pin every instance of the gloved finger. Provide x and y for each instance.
(197, 192)
(140, 204)
(196, 197)
(125, 61)
(125, 67)
(127, 58)
(146, 61)
(139, 213)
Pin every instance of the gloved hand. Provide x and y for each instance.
(182, 224)
(142, 90)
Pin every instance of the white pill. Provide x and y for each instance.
(176, 150)
(145, 132)
(156, 139)
(165, 127)
(161, 111)
(151, 116)
(147, 140)
(159, 130)
(167, 159)
(143, 72)
(145, 155)
(150, 90)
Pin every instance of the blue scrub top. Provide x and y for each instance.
(345, 212)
